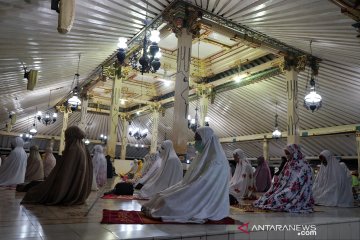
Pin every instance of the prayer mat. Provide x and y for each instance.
(8, 188)
(121, 197)
(137, 217)
(248, 208)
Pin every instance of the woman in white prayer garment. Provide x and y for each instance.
(170, 172)
(154, 161)
(13, 168)
(203, 194)
(100, 167)
(242, 184)
(332, 186)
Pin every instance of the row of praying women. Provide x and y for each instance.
(18, 168)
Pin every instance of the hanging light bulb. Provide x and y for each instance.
(121, 54)
(276, 133)
(155, 36)
(312, 100)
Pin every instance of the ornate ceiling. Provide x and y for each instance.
(29, 38)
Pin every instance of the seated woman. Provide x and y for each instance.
(281, 167)
(170, 172)
(131, 173)
(242, 184)
(13, 168)
(69, 183)
(127, 188)
(203, 194)
(262, 175)
(34, 168)
(293, 192)
(154, 161)
(332, 186)
(49, 161)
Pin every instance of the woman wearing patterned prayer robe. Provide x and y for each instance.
(293, 191)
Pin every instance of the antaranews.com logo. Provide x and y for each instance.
(301, 230)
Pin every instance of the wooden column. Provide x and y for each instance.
(266, 149)
(84, 106)
(155, 128)
(65, 111)
(293, 135)
(113, 121)
(124, 134)
(184, 21)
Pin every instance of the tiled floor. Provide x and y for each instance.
(68, 223)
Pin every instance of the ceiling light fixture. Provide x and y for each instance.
(276, 133)
(312, 100)
(74, 101)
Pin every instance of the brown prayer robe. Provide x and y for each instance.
(34, 167)
(70, 181)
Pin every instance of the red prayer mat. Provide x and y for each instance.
(8, 188)
(137, 217)
(122, 197)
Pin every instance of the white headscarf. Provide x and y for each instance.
(99, 165)
(203, 194)
(170, 172)
(155, 164)
(242, 184)
(332, 186)
(12, 170)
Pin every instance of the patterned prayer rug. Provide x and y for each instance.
(121, 197)
(137, 217)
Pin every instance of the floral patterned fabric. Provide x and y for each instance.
(293, 191)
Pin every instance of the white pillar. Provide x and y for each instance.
(154, 132)
(292, 108)
(113, 121)
(182, 92)
(358, 149)
(63, 129)
(266, 149)
(124, 133)
(84, 107)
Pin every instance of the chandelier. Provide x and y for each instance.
(74, 101)
(276, 133)
(49, 116)
(86, 141)
(193, 123)
(103, 139)
(137, 134)
(121, 54)
(312, 100)
(26, 137)
(149, 56)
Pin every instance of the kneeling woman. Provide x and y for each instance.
(203, 194)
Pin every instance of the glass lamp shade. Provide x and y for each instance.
(276, 133)
(33, 131)
(312, 101)
(155, 36)
(122, 43)
(74, 100)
